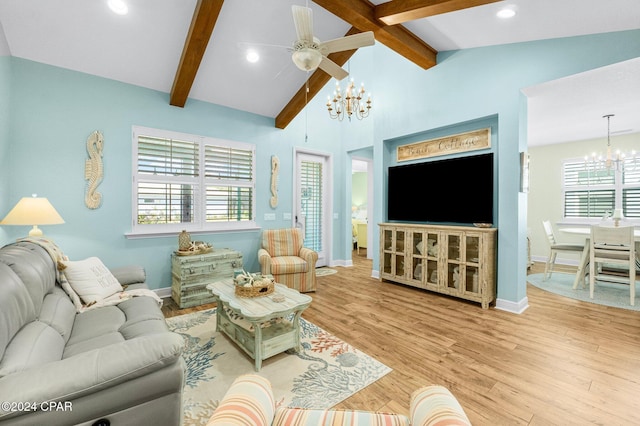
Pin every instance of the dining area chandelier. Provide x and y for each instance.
(612, 161)
(349, 102)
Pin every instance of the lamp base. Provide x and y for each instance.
(35, 231)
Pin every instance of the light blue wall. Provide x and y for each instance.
(53, 111)
(5, 171)
(484, 82)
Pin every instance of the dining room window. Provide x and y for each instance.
(196, 183)
(594, 192)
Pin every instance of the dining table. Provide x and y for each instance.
(583, 264)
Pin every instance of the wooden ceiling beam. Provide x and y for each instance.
(362, 15)
(316, 82)
(399, 12)
(204, 20)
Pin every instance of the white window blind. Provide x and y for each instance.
(591, 192)
(311, 198)
(631, 188)
(191, 182)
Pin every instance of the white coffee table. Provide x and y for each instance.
(259, 325)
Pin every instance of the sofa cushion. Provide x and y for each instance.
(308, 417)
(95, 323)
(288, 265)
(58, 312)
(91, 279)
(97, 328)
(34, 267)
(35, 344)
(16, 306)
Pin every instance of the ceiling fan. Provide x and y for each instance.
(309, 53)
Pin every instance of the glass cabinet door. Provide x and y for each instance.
(399, 249)
(417, 258)
(386, 268)
(454, 271)
(472, 258)
(431, 250)
(387, 239)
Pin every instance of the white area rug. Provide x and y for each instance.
(327, 370)
(324, 271)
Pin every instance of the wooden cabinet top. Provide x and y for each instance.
(438, 227)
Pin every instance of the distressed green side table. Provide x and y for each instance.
(260, 326)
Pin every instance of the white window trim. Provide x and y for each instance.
(199, 226)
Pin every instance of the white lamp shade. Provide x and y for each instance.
(33, 211)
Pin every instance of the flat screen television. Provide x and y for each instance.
(455, 190)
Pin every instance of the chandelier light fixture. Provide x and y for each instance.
(350, 102)
(612, 161)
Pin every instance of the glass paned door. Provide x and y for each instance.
(312, 202)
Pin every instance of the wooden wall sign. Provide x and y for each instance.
(462, 142)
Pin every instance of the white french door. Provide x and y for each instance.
(313, 202)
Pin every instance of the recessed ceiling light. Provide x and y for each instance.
(118, 6)
(506, 13)
(252, 56)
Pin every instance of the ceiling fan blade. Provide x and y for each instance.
(347, 43)
(303, 20)
(333, 69)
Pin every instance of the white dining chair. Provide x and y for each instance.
(555, 247)
(616, 246)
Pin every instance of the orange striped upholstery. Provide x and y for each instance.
(298, 416)
(282, 242)
(248, 402)
(283, 256)
(435, 406)
(288, 265)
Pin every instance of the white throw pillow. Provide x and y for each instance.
(91, 279)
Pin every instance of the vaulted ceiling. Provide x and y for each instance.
(384, 20)
(195, 49)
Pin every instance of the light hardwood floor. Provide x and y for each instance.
(561, 362)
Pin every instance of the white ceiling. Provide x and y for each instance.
(144, 48)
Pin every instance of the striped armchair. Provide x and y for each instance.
(283, 256)
(250, 402)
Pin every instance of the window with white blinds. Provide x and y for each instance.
(591, 192)
(191, 182)
(311, 203)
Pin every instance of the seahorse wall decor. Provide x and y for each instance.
(275, 169)
(93, 170)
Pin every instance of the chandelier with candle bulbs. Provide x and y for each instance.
(350, 102)
(612, 161)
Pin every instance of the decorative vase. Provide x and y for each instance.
(184, 241)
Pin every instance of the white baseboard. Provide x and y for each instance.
(164, 292)
(344, 263)
(513, 307)
(375, 274)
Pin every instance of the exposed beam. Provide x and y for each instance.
(398, 12)
(204, 20)
(316, 82)
(361, 14)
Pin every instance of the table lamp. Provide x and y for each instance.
(33, 211)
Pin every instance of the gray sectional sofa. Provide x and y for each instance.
(116, 365)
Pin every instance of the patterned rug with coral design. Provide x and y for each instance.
(326, 371)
